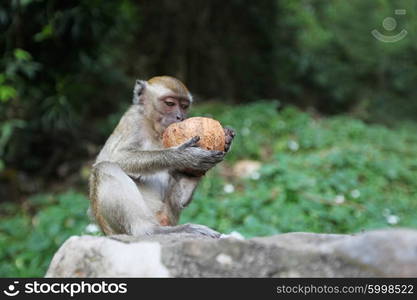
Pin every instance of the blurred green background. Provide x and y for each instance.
(325, 113)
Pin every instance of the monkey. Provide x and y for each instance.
(138, 187)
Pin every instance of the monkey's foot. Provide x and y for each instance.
(201, 230)
(196, 229)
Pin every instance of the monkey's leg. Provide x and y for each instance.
(118, 205)
(179, 194)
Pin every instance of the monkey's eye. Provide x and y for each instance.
(184, 106)
(169, 103)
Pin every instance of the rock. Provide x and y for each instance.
(247, 169)
(382, 253)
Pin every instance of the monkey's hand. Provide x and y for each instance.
(195, 158)
(230, 135)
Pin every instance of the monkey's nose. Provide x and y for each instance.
(179, 118)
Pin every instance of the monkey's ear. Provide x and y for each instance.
(138, 91)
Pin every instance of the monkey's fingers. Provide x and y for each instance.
(230, 135)
(191, 142)
(228, 141)
(217, 156)
(227, 146)
(229, 132)
(218, 153)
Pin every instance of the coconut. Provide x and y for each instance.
(210, 131)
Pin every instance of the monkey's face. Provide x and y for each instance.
(171, 109)
(165, 100)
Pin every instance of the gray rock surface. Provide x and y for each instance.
(381, 253)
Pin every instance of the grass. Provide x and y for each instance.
(332, 175)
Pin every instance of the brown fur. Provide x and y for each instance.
(163, 219)
(171, 83)
(104, 226)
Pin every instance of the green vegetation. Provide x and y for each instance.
(28, 241)
(334, 175)
(341, 65)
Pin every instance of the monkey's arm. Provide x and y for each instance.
(134, 161)
(187, 155)
(181, 193)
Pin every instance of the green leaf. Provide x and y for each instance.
(22, 55)
(7, 92)
(46, 33)
(25, 2)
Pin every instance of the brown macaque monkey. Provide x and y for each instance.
(136, 185)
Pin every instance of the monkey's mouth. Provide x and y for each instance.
(169, 122)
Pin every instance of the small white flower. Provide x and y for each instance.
(255, 175)
(339, 199)
(228, 188)
(245, 131)
(92, 228)
(293, 145)
(233, 235)
(355, 194)
(386, 212)
(393, 219)
(248, 122)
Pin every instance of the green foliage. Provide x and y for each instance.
(335, 175)
(55, 58)
(336, 57)
(6, 130)
(27, 242)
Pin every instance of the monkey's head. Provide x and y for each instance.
(164, 100)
